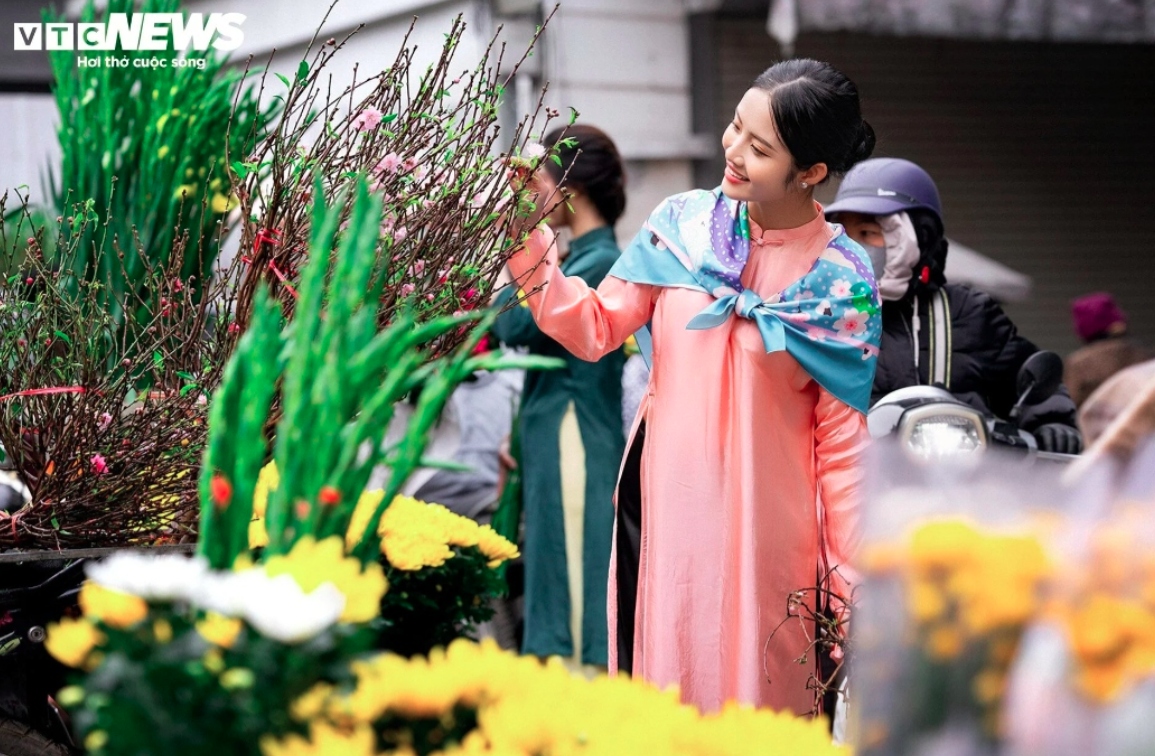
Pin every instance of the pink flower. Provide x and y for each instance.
(234, 327)
(430, 297)
(469, 295)
(99, 464)
(409, 164)
(400, 233)
(420, 172)
(853, 322)
(426, 204)
(105, 420)
(443, 275)
(407, 289)
(840, 288)
(389, 164)
(367, 120)
(417, 268)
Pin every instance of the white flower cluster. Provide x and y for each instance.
(275, 606)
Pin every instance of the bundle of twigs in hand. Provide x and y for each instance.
(103, 416)
(430, 145)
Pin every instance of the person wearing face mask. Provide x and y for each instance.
(935, 332)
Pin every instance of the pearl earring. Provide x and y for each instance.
(804, 185)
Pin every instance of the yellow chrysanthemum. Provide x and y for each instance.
(70, 641)
(219, 630)
(415, 534)
(324, 740)
(495, 546)
(313, 703)
(312, 563)
(517, 697)
(113, 608)
(366, 505)
(267, 482)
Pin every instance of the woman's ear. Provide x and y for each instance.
(813, 176)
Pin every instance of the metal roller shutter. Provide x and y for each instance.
(1044, 153)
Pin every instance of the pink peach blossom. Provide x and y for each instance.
(368, 119)
(389, 164)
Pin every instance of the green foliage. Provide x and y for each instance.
(200, 698)
(340, 377)
(147, 149)
(430, 607)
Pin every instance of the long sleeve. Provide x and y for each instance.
(841, 440)
(588, 322)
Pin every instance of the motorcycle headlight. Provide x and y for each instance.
(935, 432)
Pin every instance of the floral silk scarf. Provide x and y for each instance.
(828, 320)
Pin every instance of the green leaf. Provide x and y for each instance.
(388, 118)
(55, 522)
(557, 159)
(63, 337)
(284, 80)
(444, 464)
(240, 168)
(185, 375)
(302, 72)
(573, 115)
(184, 390)
(158, 360)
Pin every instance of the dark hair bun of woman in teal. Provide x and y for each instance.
(590, 161)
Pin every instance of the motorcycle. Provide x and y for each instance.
(931, 423)
(37, 591)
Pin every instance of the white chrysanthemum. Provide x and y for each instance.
(275, 607)
(153, 577)
(282, 611)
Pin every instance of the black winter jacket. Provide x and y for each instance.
(986, 354)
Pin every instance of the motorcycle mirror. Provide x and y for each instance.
(1039, 377)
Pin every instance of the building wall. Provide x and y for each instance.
(625, 66)
(1042, 152)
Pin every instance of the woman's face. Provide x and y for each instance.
(863, 229)
(758, 165)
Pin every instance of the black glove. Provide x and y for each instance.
(1059, 438)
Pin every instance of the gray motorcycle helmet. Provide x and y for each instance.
(884, 186)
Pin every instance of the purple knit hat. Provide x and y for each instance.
(1095, 314)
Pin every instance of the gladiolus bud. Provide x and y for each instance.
(222, 491)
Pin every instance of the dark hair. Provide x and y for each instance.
(817, 113)
(933, 247)
(591, 162)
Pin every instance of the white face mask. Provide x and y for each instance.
(877, 257)
(902, 255)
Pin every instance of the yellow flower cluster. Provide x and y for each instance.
(963, 583)
(323, 739)
(71, 642)
(312, 563)
(525, 707)
(970, 589)
(113, 608)
(1108, 611)
(415, 535)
